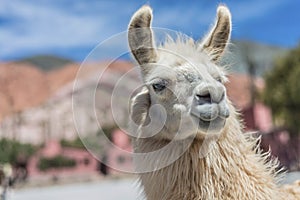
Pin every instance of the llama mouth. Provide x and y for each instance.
(209, 117)
(209, 112)
(213, 125)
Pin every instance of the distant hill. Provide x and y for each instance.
(21, 86)
(46, 62)
(262, 56)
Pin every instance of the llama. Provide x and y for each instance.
(184, 87)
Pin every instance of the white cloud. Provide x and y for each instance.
(39, 26)
(66, 24)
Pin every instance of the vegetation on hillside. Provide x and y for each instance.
(12, 151)
(282, 92)
(46, 62)
(55, 162)
(76, 143)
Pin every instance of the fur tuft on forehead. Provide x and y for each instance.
(184, 51)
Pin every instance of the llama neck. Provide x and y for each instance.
(230, 170)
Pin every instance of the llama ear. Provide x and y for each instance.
(218, 38)
(140, 37)
(140, 105)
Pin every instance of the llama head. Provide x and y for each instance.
(182, 77)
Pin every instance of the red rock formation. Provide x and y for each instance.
(21, 86)
(58, 78)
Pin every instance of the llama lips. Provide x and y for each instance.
(214, 125)
(205, 112)
(210, 116)
(209, 112)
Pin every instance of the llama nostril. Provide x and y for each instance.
(203, 98)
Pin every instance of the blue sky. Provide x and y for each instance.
(71, 28)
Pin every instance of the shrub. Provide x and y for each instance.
(77, 143)
(56, 162)
(11, 151)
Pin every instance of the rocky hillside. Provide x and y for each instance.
(21, 86)
(31, 81)
(24, 85)
(40, 104)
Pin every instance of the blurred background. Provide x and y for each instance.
(43, 43)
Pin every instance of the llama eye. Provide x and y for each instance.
(160, 86)
(219, 80)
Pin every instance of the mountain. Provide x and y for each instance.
(38, 117)
(24, 86)
(62, 76)
(261, 55)
(46, 62)
(21, 86)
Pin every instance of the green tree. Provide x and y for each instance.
(282, 92)
(11, 151)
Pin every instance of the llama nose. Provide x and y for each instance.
(209, 95)
(203, 98)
